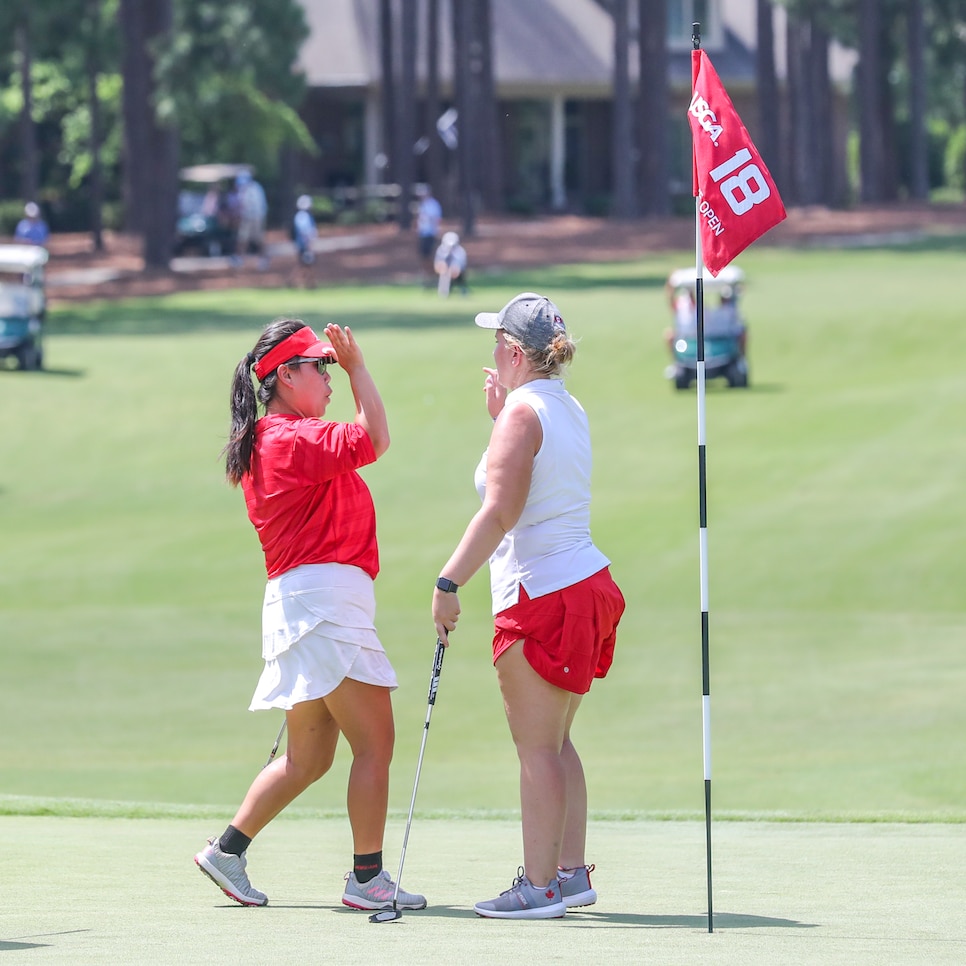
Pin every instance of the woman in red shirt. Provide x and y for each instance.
(324, 664)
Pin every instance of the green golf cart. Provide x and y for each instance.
(724, 328)
(23, 305)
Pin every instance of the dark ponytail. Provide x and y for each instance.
(245, 402)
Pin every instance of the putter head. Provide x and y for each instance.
(386, 915)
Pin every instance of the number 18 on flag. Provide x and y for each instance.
(737, 198)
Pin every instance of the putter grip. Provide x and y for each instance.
(437, 670)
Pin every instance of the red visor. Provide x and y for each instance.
(303, 342)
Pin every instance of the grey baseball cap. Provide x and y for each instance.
(532, 319)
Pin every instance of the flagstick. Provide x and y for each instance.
(703, 525)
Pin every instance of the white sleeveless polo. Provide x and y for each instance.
(549, 548)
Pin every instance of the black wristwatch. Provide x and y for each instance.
(446, 586)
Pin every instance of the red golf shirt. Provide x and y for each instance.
(305, 498)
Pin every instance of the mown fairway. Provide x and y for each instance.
(130, 580)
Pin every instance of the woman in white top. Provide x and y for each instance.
(555, 605)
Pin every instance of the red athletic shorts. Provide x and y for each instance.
(568, 636)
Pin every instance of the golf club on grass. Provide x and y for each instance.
(390, 915)
(271, 757)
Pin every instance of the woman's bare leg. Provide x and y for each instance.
(310, 748)
(364, 715)
(539, 715)
(575, 828)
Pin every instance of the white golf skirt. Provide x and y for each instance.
(318, 630)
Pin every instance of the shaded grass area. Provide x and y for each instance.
(249, 308)
(830, 894)
(130, 580)
(388, 306)
(27, 805)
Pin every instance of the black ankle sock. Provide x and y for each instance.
(233, 842)
(367, 867)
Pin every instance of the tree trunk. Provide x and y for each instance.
(653, 109)
(808, 84)
(93, 54)
(769, 108)
(827, 183)
(160, 201)
(799, 123)
(871, 134)
(388, 110)
(29, 173)
(406, 111)
(624, 205)
(134, 108)
(491, 182)
(918, 144)
(434, 153)
(466, 107)
(963, 93)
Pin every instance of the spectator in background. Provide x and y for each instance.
(450, 264)
(32, 229)
(723, 321)
(229, 216)
(304, 233)
(252, 210)
(684, 309)
(428, 217)
(211, 201)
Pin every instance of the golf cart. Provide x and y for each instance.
(724, 329)
(206, 222)
(23, 304)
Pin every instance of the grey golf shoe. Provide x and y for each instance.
(228, 873)
(378, 893)
(575, 887)
(523, 901)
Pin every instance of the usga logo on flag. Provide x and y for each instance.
(737, 198)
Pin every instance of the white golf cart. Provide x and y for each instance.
(724, 327)
(23, 304)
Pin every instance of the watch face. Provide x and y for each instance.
(447, 586)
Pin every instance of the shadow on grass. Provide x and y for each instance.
(131, 318)
(889, 242)
(8, 945)
(47, 372)
(208, 311)
(718, 387)
(603, 920)
(574, 283)
(725, 920)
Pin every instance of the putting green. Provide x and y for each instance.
(86, 891)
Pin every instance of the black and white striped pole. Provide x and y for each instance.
(703, 527)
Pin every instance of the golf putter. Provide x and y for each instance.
(390, 915)
(274, 751)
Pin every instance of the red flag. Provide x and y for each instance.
(738, 200)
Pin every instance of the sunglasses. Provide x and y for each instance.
(320, 364)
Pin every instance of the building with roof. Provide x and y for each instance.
(553, 67)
